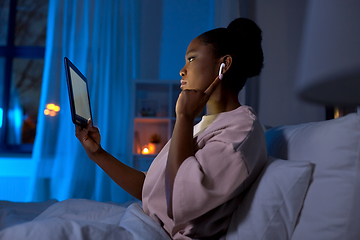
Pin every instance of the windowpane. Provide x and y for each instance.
(24, 100)
(4, 18)
(31, 19)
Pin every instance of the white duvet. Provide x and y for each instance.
(76, 219)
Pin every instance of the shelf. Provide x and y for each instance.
(154, 114)
(150, 120)
(145, 131)
(152, 100)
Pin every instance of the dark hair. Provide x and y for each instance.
(242, 40)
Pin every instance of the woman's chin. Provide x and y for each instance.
(183, 87)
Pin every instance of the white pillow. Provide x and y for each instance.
(331, 209)
(271, 207)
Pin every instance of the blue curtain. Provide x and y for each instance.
(99, 37)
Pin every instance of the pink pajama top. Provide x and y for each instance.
(230, 151)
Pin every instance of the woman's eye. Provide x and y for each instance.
(191, 59)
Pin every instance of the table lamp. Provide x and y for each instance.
(329, 67)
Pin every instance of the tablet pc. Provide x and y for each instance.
(78, 94)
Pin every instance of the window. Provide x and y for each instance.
(22, 49)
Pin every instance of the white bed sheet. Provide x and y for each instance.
(77, 219)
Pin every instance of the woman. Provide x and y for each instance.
(197, 180)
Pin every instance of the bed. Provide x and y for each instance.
(77, 219)
(309, 189)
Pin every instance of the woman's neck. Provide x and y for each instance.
(222, 101)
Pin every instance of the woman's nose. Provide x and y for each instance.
(182, 72)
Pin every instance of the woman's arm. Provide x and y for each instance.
(129, 179)
(181, 147)
(189, 104)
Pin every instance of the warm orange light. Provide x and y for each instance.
(145, 150)
(336, 112)
(152, 148)
(51, 109)
(46, 111)
(56, 108)
(50, 106)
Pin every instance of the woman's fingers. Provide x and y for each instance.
(80, 132)
(77, 129)
(83, 133)
(94, 134)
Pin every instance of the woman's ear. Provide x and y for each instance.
(227, 59)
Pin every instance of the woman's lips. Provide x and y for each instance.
(183, 83)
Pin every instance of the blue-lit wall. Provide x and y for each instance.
(15, 173)
(15, 170)
(167, 27)
(179, 28)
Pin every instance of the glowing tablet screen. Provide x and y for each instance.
(80, 95)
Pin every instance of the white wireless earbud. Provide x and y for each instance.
(220, 71)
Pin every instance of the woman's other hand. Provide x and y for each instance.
(89, 137)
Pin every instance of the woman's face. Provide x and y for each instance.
(201, 67)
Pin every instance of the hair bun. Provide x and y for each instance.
(242, 40)
(246, 29)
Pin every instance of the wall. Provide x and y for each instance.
(181, 25)
(167, 27)
(282, 25)
(150, 24)
(15, 176)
